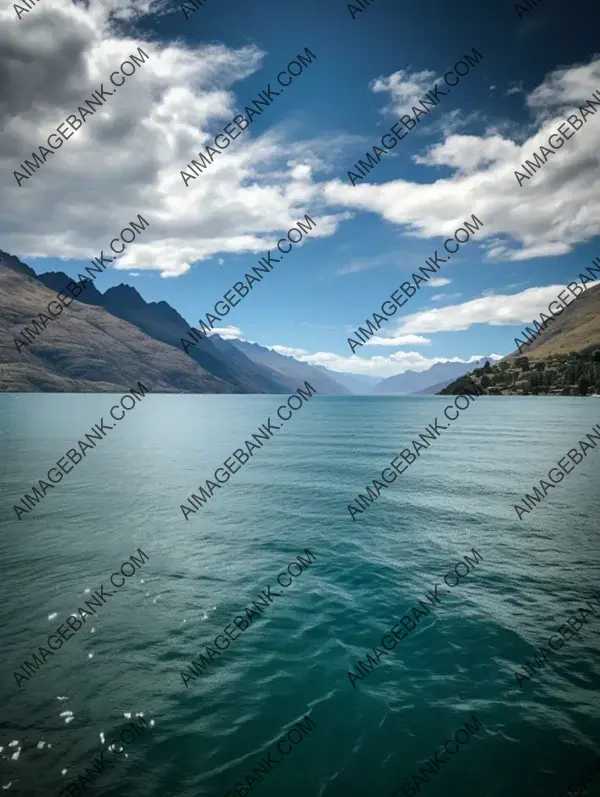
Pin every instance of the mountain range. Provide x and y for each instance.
(429, 381)
(108, 341)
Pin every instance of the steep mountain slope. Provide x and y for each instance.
(161, 321)
(577, 328)
(290, 371)
(85, 348)
(12, 262)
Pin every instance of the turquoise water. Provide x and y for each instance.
(294, 660)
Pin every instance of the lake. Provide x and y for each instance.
(291, 656)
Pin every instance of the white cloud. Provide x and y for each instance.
(466, 153)
(437, 282)
(558, 208)
(496, 310)
(133, 148)
(563, 89)
(398, 340)
(227, 333)
(406, 89)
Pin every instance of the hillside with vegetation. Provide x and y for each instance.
(564, 360)
(573, 374)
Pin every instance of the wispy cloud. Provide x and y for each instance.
(405, 89)
(517, 88)
(453, 121)
(365, 263)
(399, 340)
(445, 297)
(437, 282)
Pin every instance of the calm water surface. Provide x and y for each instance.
(294, 659)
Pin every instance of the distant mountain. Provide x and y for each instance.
(359, 384)
(439, 374)
(290, 371)
(86, 349)
(563, 360)
(432, 390)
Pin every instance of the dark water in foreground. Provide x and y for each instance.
(294, 659)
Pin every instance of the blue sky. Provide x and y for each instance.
(295, 157)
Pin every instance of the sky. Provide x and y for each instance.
(536, 68)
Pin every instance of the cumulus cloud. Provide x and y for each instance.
(126, 158)
(466, 153)
(558, 208)
(405, 89)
